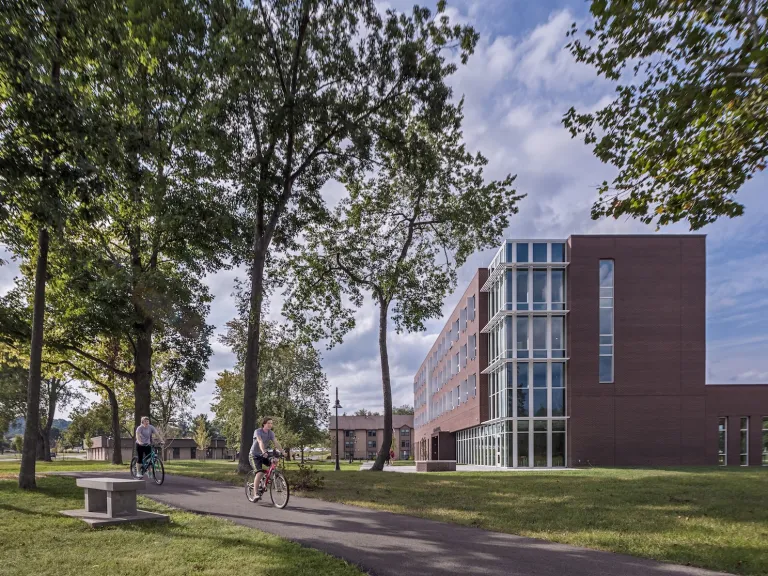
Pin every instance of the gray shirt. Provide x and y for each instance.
(144, 434)
(265, 437)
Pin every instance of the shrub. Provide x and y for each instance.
(305, 478)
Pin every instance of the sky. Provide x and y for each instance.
(517, 86)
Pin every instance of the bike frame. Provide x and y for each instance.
(149, 458)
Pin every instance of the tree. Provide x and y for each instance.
(18, 443)
(202, 437)
(400, 237)
(294, 388)
(306, 89)
(227, 405)
(168, 220)
(56, 392)
(49, 132)
(172, 388)
(689, 125)
(403, 410)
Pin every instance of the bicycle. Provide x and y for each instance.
(150, 463)
(273, 478)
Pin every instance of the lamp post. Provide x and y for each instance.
(337, 405)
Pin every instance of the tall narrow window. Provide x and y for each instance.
(471, 308)
(522, 290)
(463, 319)
(744, 441)
(558, 252)
(472, 346)
(722, 441)
(765, 441)
(473, 385)
(557, 290)
(539, 336)
(606, 367)
(522, 336)
(539, 289)
(558, 343)
(539, 252)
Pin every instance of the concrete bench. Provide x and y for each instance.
(111, 501)
(436, 466)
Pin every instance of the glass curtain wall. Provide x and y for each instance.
(527, 382)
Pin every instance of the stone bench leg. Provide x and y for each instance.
(95, 500)
(121, 504)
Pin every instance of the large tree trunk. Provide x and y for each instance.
(32, 426)
(251, 384)
(142, 383)
(117, 445)
(386, 385)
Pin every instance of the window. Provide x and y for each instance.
(744, 441)
(405, 455)
(558, 389)
(558, 252)
(463, 319)
(522, 252)
(371, 433)
(464, 391)
(522, 290)
(193, 453)
(455, 331)
(472, 346)
(371, 456)
(539, 336)
(405, 444)
(371, 443)
(522, 337)
(405, 431)
(539, 289)
(557, 290)
(539, 252)
(522, 389)
(606, 322)
(722, 441)
(176, 453)
(349, 433)
(458, 395)
(765, 441)
(522, 443)
(456, 363)
(558, 342)
(473, 385)
(558, 443)
(471, 308)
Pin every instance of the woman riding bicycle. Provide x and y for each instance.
(144, 434)
(258, 456)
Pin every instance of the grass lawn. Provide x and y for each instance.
(711, 517)
(37, 540)
(714, 518)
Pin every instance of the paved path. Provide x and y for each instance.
(385, 544)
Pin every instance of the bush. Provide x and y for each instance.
(305, 478)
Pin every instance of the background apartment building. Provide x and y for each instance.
(360, 437)
(590, 350)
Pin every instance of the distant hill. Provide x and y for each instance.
(17, 427)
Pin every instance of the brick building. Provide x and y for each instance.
(360, 437)
(590, 350)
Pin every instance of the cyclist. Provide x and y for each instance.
(144, 434)
(258, 456)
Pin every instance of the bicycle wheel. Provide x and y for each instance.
(134, 467)
(158, 471)
(278, 490)
(250, 486)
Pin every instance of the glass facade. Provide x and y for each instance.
(722, 441)
(527, 362)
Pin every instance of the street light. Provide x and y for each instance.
(337, 406)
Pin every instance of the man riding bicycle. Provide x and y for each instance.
(144, 434)
(259, 456)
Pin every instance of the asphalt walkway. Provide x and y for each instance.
(385, 544)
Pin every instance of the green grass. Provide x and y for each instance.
(713, 518)
(710, 517)
(37, 540)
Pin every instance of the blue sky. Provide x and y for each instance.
(517, 86)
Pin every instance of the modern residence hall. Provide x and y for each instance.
(585, 351)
